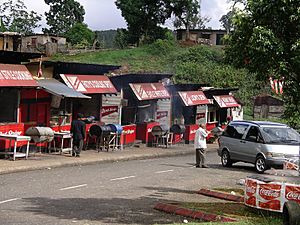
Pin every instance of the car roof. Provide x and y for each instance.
(259, 123)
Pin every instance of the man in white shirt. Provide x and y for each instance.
(200, 146)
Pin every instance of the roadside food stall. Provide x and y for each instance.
(95, 86)
(225, 104)
(13, 80)
(143, 103)
(186, 102)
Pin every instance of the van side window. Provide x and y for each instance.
(254, 135)
(235, 131)
(229, 131)
(240, 129)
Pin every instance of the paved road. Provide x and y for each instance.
(112, 193)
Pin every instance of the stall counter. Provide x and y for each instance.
(143, 131)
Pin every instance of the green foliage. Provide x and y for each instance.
(121, 39)
(80, 33)
(63, 14)
(106, 38)
(16, 18)
(266, 41)
(161, 47)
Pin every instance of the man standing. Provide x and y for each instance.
(200, 146)
(78, 131)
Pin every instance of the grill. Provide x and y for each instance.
(40, 134)
(107, 136)
(159, 130)
(177, 129)
(162, 136)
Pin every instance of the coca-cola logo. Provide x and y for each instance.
(149, 130)
(293, 195)
(250, 189)
(10, 132)
(128, 131)
(269, 192)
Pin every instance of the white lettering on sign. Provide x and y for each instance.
(96, 84)
(10, 132)
(157, 94)
(293, 196)
(197, 97)
(128, 131)
(228, 100)
(149, 130)
(269, 193)
(15, 75)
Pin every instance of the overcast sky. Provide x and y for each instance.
(104, 15)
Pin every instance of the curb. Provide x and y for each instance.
(221, 195)
(201, 215)
(60, 164)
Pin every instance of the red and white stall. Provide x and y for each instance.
(13, 80)
(194, 99)
(152, 108)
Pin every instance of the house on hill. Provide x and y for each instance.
(202, 36)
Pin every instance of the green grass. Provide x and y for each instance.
(244, 214)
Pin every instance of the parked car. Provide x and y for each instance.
(264, 144)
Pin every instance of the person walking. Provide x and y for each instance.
(78, 132)
(200, 146)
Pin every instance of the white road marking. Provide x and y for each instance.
(9, 200)
(73, 187)
(122, 178)
(164, 171)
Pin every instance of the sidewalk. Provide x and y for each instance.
(40, 161)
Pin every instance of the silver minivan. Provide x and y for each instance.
(264, 144)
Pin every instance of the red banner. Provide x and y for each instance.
(190, 98)
(250, 192)
(270, 196)
(89, 84)
(147, 91)
(226, 101)
(292, 193)
(107, 110)
(16, 76)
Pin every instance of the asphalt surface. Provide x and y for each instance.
(122, 192)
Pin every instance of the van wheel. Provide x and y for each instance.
(260, 164)
(291, 215)
(225, 159)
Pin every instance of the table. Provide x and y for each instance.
(62, 136)
(15, 138)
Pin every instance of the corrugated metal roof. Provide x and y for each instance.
(57, 88)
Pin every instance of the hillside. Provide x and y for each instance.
(197, 64)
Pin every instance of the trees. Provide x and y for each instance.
(266, 40)
(226, 21)
(187, 14)
(143, 18)
(63, 14)
(16, 18)
(80, 33)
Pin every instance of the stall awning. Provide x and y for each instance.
(57, 88)
(16, 76)
(191, 98)
(148, 91)
(89, 84)
(226, 101)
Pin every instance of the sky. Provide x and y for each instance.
(104, 15)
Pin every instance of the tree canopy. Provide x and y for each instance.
(80, 33)
(266, 40)
(16, 18)
(63, 14)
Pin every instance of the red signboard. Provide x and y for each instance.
(226, 101)
(89, 84)
(16, 76)
(161, 114)
(107, 110)
(190, 98)
(128, 134)
(147, 91)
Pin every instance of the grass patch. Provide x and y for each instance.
(245, 215)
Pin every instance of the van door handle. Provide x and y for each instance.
(243, 142)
